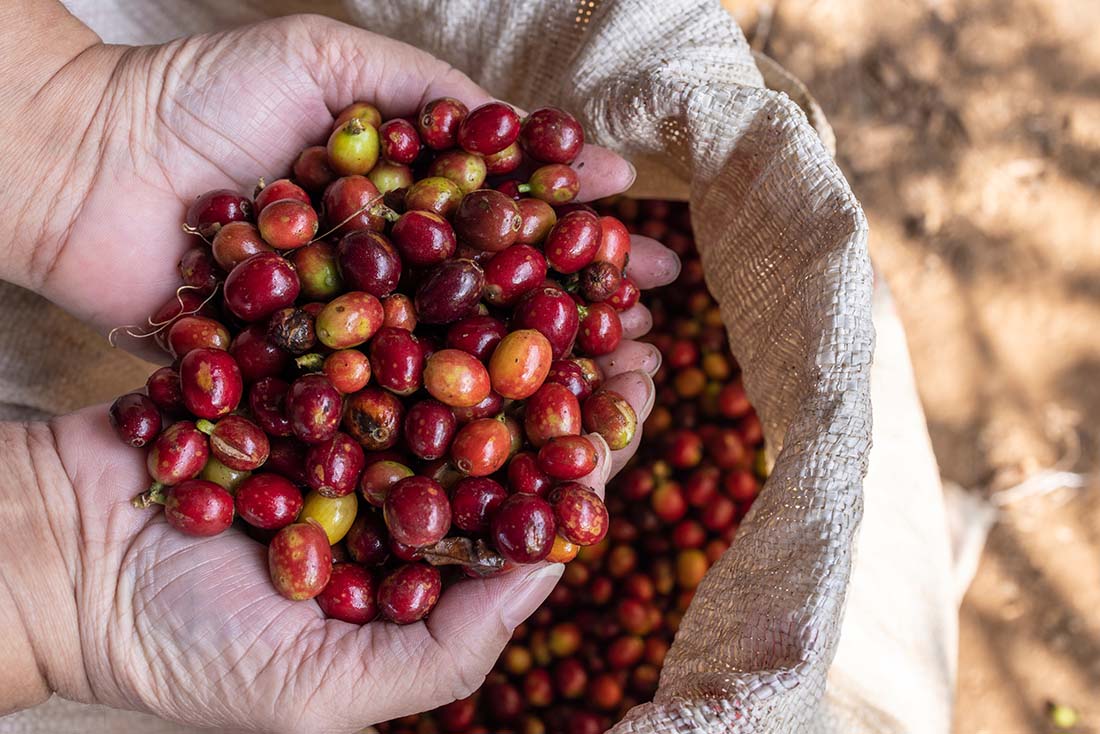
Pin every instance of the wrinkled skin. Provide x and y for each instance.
(191, 629)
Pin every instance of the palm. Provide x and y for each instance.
(223, 128)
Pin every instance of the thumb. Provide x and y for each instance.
(470, 626)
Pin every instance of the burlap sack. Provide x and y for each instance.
(673, 86)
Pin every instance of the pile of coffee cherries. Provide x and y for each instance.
(383, 364)
(595, 648)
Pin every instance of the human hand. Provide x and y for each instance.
(190, 629)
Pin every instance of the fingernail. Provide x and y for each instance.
(650, 391)
(672, 266)
(633, 174)
(530, 594)
(652, 361)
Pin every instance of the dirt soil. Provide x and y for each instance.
(970, 130)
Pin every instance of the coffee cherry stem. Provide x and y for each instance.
(188, 229)
(524, 188)
(152, 496)
(205, 426)
(380, 210)
(312, 362)
(159, 326)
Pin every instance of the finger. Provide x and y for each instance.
(651, 264)
(447, 656)
(636, 320)
(638, 390)
(598, 478)
(602, 172)
(631, 355)
(350, 64)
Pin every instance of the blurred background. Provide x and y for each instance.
(970, 130)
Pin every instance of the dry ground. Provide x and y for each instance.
(970, 129)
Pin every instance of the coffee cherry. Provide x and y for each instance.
(520, 363)
(221, 475)
(434, 194)
(487, 220)
(349, 320)
(569, 374)
(197, 270)
(373, 418)
(399, 312)
(537, 218)
(481, 447)
(552, 312)
(353, 148)
(237, 442)
(397, 360)
(490, 406)
(489, 129)
(476, 335)
(600, 330)
(456, 378)
(197, 507)
(551, 411)
(163, 387)
(369, 262)
(625, 296)
(288, 459)
(287, 224)
(135, 419)
(523, 528)
(268, 501)
(439, 121)
(348, 370)
(568, 457)
(512, 273)
(210, 382)
(365, 112)
(378, 477)
(313, 407)
(609, 414)
(399, 140)
(409, 593)
(467, 170)
(563, 551)
(278, 190)
(570, 678)
(599, 281)
(318, 271)
(211, 211)
(261, 285)
(350, 594)
(353, 204)
(450, 291)
(429, 428)
(300, 561)
(551, 135)
(423, 238)
(311, 168)
(267, 402)
(580, 513)
(390, 178)
(504, 161)
(334, 515)
(525, 475)
(333, 466)
(194, 332)
(555, 184)
(367, 540)
(474, 500)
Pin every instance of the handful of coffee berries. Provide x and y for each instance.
(384, 363)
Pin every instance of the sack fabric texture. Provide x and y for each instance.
(672, 86)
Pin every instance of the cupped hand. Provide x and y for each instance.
(191, 629)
